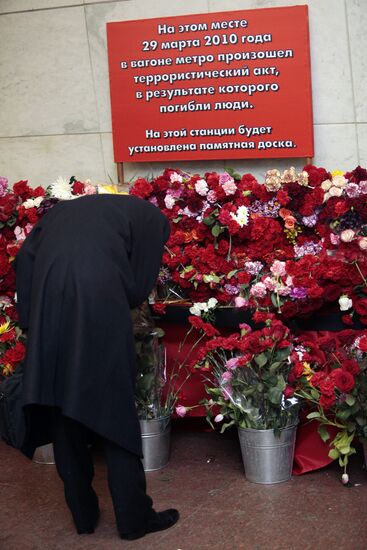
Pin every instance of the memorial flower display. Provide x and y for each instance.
(291, 245)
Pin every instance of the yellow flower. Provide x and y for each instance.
(4, 327)
(337, 173)
(7, 369)
(111, 189)
(307, 371)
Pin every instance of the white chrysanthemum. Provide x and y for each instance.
(61, 189)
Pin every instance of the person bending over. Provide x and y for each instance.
(84, 265)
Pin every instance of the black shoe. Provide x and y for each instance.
(159, 522)
(88, 530)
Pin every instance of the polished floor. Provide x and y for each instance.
(219, 509)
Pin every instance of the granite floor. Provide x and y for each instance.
(219, 509)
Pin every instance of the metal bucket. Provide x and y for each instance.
(266, 457)
(156, 439)
(44, 454)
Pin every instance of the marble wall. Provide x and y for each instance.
(55, 108)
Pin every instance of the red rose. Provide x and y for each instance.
(288, 392)
(351, 366)
(343, 379)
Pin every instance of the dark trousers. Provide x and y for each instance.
(126, 478)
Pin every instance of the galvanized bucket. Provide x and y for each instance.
(266, 457)
(44, 454)
(156, 439)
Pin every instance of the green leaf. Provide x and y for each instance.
(217, 230)
(275, 395)
(315, 394)
(350, 400)
(261, 360)
(231, 273)
(314, 414)
(324, 434)
(334, 454)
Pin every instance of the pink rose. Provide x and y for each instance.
(181, 411)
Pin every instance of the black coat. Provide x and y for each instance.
(81, 269)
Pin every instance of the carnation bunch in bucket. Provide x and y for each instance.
(247, 378)
(330, 375)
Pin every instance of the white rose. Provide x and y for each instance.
(345, 303)
(363, 243)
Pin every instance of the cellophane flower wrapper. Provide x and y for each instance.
(151, 364)
(256, 412)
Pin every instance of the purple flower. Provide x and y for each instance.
(299, 292)
(231, 289)
(3, 186)
(309, 221)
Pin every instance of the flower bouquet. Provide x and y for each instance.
(330, 375)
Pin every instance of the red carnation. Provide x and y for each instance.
(360, 306)
(78, 188)
(327, 401)
(38, 192)
(327, 386)
(159, 308)
(362, 345)
(15, 354)
(142, 188)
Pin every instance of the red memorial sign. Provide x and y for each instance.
(212, 86)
